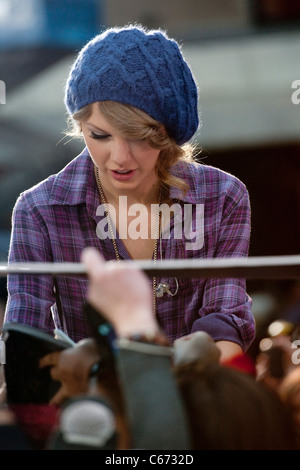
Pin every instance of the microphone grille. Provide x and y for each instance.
(87, 422)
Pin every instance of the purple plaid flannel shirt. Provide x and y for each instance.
(56, 219)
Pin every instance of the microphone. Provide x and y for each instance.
(198, 346)
(85, 423)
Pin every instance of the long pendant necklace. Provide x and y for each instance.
(110, 228)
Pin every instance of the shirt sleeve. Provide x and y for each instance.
(30, 297)
(226, 308)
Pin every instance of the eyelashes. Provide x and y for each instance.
(93, 135)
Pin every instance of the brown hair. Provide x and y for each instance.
(133, 123)
(229, 410)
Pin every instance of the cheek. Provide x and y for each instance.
(151, 161)
(98, 155)
(147, 156)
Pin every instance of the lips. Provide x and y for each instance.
(122, 175)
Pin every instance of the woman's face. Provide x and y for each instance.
(123, 164)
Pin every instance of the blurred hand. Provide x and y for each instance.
(71, 367)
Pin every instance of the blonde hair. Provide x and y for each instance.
(133, 123)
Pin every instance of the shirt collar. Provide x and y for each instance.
(76, 183)
(188, 172)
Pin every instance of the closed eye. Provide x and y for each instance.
(94, 135)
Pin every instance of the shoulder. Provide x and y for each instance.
(65, 187)
(206, 181)
(216, 178)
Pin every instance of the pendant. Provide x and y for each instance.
(164, 288)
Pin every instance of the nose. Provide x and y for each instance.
(120, 152)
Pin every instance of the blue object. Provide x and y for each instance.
(141, 68)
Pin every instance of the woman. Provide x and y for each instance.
(133, 98)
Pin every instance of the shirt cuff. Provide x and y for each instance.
(220, 327)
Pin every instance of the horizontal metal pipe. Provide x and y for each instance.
(260, 267)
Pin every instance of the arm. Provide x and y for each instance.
(30, 298)
(228, 349)
(226, 308)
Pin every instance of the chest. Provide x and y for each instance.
(138, 229)
(72, 228)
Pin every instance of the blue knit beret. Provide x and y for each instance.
(139, 67)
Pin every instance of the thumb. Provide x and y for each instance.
(60, 397)
(92, 259)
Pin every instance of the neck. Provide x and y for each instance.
(141, 197)
(136, 196)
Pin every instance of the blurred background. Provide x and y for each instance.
(244, 55)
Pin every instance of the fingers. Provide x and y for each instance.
(60, 397)
(97, 267)
(50, 359)
(92, 259)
